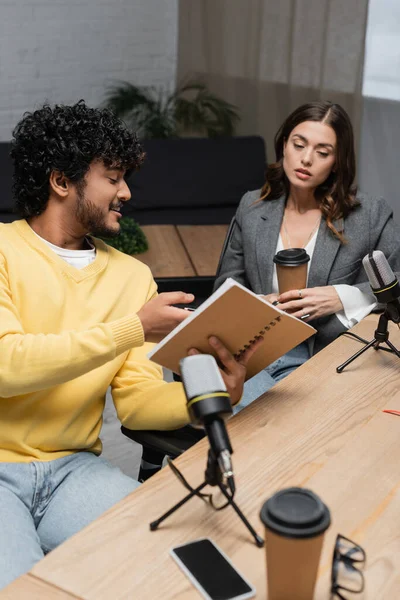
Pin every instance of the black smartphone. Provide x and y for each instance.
(211, 571)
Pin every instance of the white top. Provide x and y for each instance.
(76, 258)
(356, 304)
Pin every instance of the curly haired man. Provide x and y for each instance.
(76, 316)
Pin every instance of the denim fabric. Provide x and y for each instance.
(281, 368)
(44, 503)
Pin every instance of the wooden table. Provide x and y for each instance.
(183, 250)
(29, 587)
(315, 429)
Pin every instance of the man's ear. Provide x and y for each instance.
(59, 183)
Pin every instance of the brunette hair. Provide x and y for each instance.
(337, 194)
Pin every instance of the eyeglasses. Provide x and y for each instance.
(347, 564)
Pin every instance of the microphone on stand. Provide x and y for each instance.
(209, 405)
(386, 288)
(383, 282)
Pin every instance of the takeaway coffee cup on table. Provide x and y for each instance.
(295, 521)
(291, 269)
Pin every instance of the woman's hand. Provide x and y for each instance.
(314, 302)
(233, 370)
(271, 298)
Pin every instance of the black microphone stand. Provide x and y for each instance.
(213, 477)
(381, 336)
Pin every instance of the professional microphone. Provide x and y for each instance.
(383, 282)
(386, 288)
(209, 405)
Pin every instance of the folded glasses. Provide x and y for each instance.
(347, 564)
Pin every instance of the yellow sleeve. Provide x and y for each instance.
(142, 399)
(32, 362)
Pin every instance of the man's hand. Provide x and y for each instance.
(314, 302)
(158, 317)
(233, 371)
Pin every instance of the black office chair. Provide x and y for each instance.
(158, 444)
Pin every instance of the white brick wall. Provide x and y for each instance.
(64, 50)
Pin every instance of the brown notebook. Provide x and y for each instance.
(236, 316)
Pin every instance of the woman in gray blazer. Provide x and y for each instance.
(309, 201)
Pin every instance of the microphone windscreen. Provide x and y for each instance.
(200, 375)
(379, 272)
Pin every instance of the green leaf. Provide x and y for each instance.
(131, 239)
(158, 113)
(125, 97)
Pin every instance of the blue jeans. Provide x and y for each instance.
(44, 503)
(281, 368)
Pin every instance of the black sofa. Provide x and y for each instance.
(182, 181)
(195, 181)
(7, 214)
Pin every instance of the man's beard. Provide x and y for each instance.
(92, 218)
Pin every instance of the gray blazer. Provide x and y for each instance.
(253, 237)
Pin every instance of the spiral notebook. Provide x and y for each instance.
(235, 315)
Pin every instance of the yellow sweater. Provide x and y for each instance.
(65, 336)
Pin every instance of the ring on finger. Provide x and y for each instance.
(300, 294)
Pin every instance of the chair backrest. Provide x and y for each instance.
(226, 242)
(195, 180)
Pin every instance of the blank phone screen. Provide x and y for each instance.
(210, 568)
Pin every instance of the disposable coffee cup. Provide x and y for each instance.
(291, 269)
(295, 521)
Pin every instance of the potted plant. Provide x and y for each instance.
(157, 113)
(131, 238)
